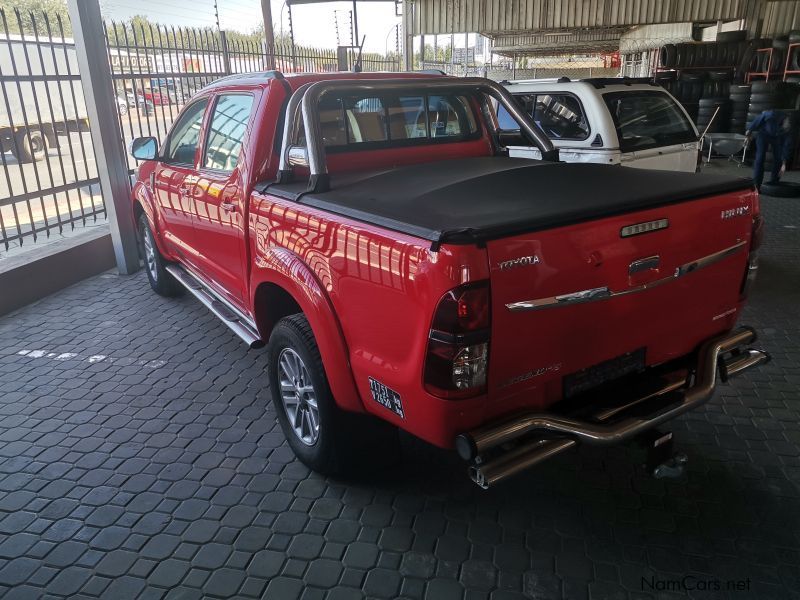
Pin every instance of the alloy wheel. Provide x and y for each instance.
(298, 396)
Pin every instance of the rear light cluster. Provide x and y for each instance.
(756, 238)
(458, 345)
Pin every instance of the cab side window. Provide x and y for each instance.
(560, 116)
(226, 131)
(185, 135)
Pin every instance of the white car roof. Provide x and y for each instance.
(599, 85)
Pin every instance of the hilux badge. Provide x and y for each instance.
(522, 261)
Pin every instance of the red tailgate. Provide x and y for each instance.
(559, 270)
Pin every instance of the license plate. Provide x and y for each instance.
(592, 377)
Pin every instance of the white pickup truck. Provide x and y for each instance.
(607, 121)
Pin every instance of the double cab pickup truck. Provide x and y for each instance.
(404, 272)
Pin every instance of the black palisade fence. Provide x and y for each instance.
(49, 183)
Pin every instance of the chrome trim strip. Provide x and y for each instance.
(604, 293)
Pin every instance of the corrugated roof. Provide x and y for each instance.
(508, 16)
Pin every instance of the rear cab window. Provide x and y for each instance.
(559, 114)
(648, 119)
(368, 122)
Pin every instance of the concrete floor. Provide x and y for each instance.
(139, 457)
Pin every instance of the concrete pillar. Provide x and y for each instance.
(101, 107)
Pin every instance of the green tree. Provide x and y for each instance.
(19, 16)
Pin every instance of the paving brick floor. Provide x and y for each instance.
(139, 457)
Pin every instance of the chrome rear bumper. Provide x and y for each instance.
(499, 450)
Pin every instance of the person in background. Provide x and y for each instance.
(771, 129)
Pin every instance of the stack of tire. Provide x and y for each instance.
(716, 108)
(770, 95)
(760, 63)
(739, 96)
(718, 84)
(689, 90)
(702, 54)
(794, 56)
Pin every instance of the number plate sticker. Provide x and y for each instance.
(386, 396)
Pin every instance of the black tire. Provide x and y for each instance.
(780, 43)
(31, 145)
(762, 97)
(162, 282)
(731, 36)
(681, 55)
(759, 107)
(719, 76)
(758, 87)
(667, 56)
(344, 443)
(781, 190)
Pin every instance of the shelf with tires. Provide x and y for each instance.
(699, 75)
(791, 69)
(724, 85)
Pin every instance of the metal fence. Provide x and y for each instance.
(49, 184)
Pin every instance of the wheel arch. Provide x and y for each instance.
(143, 204)
(284, 285)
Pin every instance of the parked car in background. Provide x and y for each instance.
(122, 106)
(156, 96)
(608, 121)
(403, 271)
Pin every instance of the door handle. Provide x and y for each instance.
(229, 206)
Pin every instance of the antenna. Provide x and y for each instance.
(357, 65)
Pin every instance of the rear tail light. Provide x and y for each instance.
(458, 345)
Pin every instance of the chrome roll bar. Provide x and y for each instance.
(307, 99)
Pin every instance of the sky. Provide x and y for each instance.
(313, 24)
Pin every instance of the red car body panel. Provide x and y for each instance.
(370, 293)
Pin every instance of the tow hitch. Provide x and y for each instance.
(662, 461)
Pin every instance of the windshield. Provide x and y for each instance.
(648, 119)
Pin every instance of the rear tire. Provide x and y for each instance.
(162, 282)
(31, 145)
(325, 438)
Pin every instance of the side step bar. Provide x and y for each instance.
(236, 322)
(539, 436)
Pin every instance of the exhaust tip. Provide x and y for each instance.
(465, 446)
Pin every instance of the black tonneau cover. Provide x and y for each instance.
(477, 199)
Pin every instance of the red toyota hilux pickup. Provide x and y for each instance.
(403, 271)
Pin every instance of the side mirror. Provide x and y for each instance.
(144, 148)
